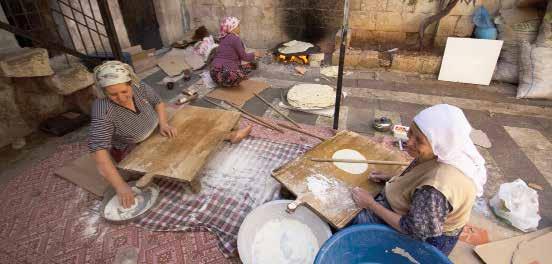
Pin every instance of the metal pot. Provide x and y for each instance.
(382, 124)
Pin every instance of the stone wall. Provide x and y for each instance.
(266, 23)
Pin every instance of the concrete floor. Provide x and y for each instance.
(520, 130)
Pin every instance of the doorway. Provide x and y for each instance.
(141, 23)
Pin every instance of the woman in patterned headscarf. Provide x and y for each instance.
(227, 69)
(126, 113)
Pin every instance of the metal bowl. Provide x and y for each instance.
(382, 124)
(110, 193)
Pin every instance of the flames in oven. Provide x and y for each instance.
(300, 59)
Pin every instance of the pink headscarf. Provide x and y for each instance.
(227, 25)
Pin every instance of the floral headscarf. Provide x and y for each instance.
(227, 25)
(111, 73)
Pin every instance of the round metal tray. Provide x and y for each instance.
(110, 193)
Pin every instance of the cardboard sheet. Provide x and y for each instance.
(468, 60)
(174, 62)
(536, 250)
(83, 173)
(239, 95)
(502, 251)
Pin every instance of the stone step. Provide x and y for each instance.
(25, 62)
(68, 80)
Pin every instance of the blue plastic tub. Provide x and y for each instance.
(370, 243)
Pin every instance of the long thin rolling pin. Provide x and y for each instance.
(254, 117)
(301, 131)
(277, 110)
(244, 116)
(379, 162)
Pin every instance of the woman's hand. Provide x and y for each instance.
(259, 53)
(362, 198)
(126, 195)
(379, 177)
(167, 131)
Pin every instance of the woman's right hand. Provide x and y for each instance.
(379, 177)
(126, 195)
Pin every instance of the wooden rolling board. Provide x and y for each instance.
(200, 130)
(336, 207)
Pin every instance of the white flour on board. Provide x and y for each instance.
(331, 193)
(284, 241)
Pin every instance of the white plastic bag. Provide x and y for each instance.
(518, 204)
(207, 81)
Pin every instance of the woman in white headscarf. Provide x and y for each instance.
(432, 199)
(126, 112)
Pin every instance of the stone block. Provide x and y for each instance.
(368, 59)
(82, 99)
(389, 21)
(26, 63)
(12, 124)
(391, 37)
(395, 6)
(363, 20)
(464, 27)
(412, 21)
(440, 41)
(406, 63)
(36, 102)
(447, 25)
(431, 64)
(462, 9)
(374, 5)
(355, 5)
(426, 6)
(70, 80)
(352, 58)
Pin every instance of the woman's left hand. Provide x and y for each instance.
(167, 130)
(362, 198)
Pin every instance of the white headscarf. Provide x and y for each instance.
(112, 72)
(448, 132)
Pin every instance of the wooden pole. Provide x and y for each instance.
(277, 110)
(301, 131)
(254, 117)
(344, 32)
(379, 162)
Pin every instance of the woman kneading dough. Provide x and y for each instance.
(432, 199)
(126, 113)
(227, 69)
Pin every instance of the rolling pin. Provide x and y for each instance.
(379, 162)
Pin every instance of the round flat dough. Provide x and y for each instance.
(311, 95)
(352, 168)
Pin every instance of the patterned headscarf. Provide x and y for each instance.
(227, 25)
(111, 73)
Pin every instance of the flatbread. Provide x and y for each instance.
(311, 96)
(295, 46)
(352, 168)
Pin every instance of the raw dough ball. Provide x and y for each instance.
(311, 95)
(352, 168)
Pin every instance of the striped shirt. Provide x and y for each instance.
(114, 126)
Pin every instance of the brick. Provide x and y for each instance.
(369, 59)
(427, 7)
(374, 5)
(464, 27)
(26, 63)
(389, 21)
(363, 20)
(447, 25)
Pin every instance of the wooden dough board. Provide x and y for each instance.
(294, 174)
(200, 130)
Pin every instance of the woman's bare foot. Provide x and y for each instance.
(239, 135)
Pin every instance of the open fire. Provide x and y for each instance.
(301, 59)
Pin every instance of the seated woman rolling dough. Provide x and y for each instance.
(432, 199)
(227, 69)
(126, 113)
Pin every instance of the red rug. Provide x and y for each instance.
(46, 219)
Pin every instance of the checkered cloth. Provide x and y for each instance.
(235, 181)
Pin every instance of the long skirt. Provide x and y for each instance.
(230, 78)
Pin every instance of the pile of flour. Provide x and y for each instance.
(311, 96)
(331, 193)
(284, 241)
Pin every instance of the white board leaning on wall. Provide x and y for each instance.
(468, 60)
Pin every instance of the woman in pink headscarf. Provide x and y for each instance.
(227, 69)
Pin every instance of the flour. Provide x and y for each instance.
(114, 210)
(352, 168)
(295, 46)
(284, 241)
(402, 252)
(311, 96)
(332, 194)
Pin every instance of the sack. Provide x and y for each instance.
(535, 74)
(507, 68)
(517, 25)
(518, 204)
